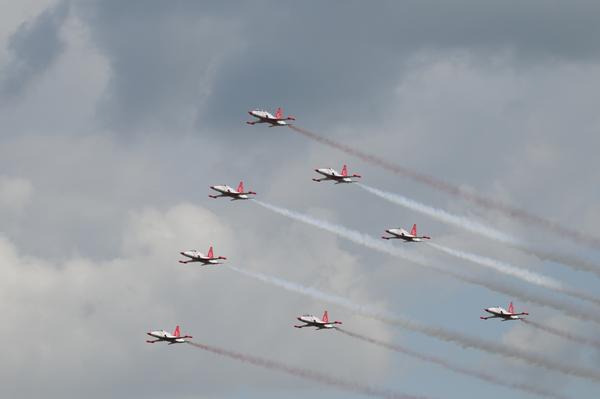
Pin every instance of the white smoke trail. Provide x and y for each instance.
(481, 229)
(306, 374)
(522, 274)
(352, 235)
(378, 245)
(441, 215)
(431, 331)
(475, 373)
(564, 334)
(488, 203)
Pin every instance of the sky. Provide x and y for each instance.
(116, 117)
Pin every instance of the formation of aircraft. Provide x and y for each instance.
(196, 256)
(334, 175)
(328, 174)
(319, 324)
(235, 195)
(499, 312)
(164, 336)
(401, 234)
(266, 117)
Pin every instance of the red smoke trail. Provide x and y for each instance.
(464, 340)
(564, 334)
(306, 374)
(456, 191)
(489, 378)
(492, 284)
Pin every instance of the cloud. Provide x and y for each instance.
(81, 322)
(143, 108)
(15, 194)
(34, 47)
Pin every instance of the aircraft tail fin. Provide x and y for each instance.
(176, 333)
(511, 308)
(325, 317)
(210, 252)
(240, 188)
(279, 113)
(345, 171)
(413, 231)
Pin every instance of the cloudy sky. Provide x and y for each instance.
(116, 117)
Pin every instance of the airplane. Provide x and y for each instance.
(196, 256)
(235, 195)
(402, 234)
(312, 321)
(163, 335)
(266, 117)
(332, 174)
(505, 315)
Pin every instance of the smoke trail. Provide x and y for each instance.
(475, 373)
(441, 215)
(508, 210)
(379, 245)
(522, 274)
(481, 229)
(441, 333)
(305, 373)
(564, 334)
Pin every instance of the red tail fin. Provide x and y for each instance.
(279, 113)
(511, 308)
(240, 188)
(325, 317)
(176, 332)
(210, 252)
(414, 230)
(345, 171)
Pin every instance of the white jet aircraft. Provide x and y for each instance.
(226, 191)
(334, 175)
(402, 234)
(162, 335)
(266, 117)
(196, 256)
(313, 321)
(501, 313)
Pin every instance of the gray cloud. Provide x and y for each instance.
(286, 53)
(501, 98)
(33, 48)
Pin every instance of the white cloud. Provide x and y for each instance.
(80, 322)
